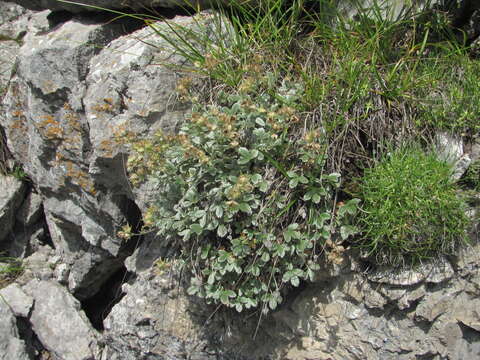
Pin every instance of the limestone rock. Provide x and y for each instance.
(450, 148)
(59, 323)
(37, 266)
(156, 319)
(76, 88)
(50, 136)
(433, 272)
(11, 196)
(19, 302)
(31, 210)
(26, 240)
(11, 346)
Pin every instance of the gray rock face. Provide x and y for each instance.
(31, 210)
(450, 148)
(58, 322)
(75, 90)
(11, 346)
(431, 313)
(157, 320)
(11, 196)
(19, 302)
(47, 131)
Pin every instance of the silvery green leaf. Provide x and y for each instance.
(302, 179)
(259, 132)
(263, 186)
(255, 178)
(316, 198)
(245, 208)
(222, 230)
(333, 177)
(243, 152)
(192, 290)
(260, 121)
(347, 230)
(196, 228)
(211, 278)
(272, 303)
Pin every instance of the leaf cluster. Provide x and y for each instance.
(244, 197)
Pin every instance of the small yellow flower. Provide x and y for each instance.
(125, 233)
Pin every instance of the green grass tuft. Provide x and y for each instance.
(411, 210)
(10, 269)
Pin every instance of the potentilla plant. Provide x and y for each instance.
(244, 197)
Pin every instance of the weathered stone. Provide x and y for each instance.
(59, 323)
(173, 331)
(36, 266)
(411, 296)
(50, 136)
(11, 196)
(450, 148)
(467, 311)
(31, 210)
(433, 272)
(19, 302)
(9, 12)
(26, 240)
(434, 306)
(156, 319)
(11, 346)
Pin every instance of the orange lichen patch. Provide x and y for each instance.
(107, 147)
(106, 107)
(50, 128)
(78, 176)
(73, 121)
(18, 124)
(17, 113)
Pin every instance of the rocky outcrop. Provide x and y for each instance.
(48, 132)
(50, 314)
(59, 324)
(431, 312)
(74, 89)
(10, 342)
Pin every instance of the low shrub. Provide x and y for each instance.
(244, 196)
(411, 210)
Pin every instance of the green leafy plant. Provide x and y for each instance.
(18, 173)
(244, 196)
(411, 211)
